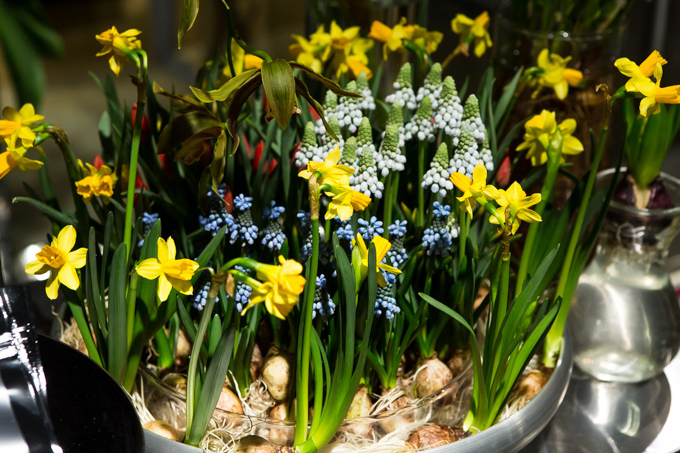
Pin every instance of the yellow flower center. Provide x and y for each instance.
(51, 256)
(340, 42)
(180, 269)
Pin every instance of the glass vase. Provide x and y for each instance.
(625, 314)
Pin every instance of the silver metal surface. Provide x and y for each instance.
(11, 438)
(607, 417)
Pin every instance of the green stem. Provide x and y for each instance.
(532, 234)
(302, 409)
(553, 341)
(464, 230)
(387, 205)
(139, 57)
(420, 218)
(134, 154)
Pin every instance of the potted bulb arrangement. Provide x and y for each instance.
(360, 271)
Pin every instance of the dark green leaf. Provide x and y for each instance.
(223, 92)
(212, 386)
(189, 13)
(185, 126)
(117, 340)
(279, 87)
(60, 217)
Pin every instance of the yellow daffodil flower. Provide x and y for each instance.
(14, 158)
(427, 40)
(306, 53)
(320, 39)
(97, 182)
(16, 125)
(356, 60)
(281, 287)
(555, 74)
(474, 189)
(360, 259)
(171, 273)
(118, 44)
(392, 37)
(338, 52)
(472, 31)
(328, 169)
(654, 94)
(538, 132)
(340, 39)
(60, 261)
(344, 200)
(519, 204)
(639, 73)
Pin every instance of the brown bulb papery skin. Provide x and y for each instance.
(284, 435)
(433, 375)
(432, 436)
(163, 429)
(256, 362)
(532, 383)
(257, 444)
(276, 374)
(228, 401)
(359, 408)
(458, 361)
(392, 421)
(183, 350)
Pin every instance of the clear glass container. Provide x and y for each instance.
(625, 316)
(448, 406)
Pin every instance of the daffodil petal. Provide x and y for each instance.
(52, 286)
(36, 267)
(66, 238)
(150, 268)
(68, 276)
(183, 286)
(528, 215)
(164, 288)
(461, 181)
(78, 258)
(382, 245)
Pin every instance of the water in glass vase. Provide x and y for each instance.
(625, 316)
(630, 320)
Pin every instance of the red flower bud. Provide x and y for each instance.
(503, 174)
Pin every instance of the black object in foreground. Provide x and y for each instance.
(90, 411)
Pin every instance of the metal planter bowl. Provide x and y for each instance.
(510, 435)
